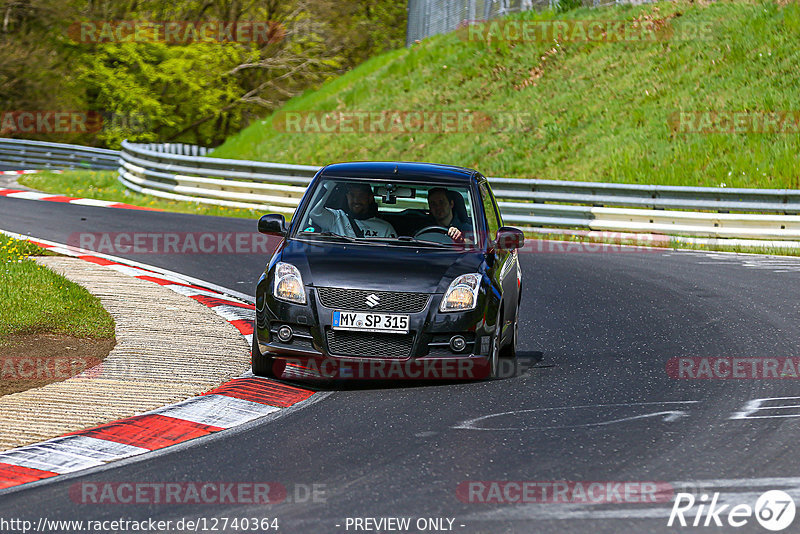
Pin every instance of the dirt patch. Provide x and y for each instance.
(33, 360)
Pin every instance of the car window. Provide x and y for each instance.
(490, 208)
(397, 210)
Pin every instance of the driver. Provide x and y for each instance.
(441, 209)
(358, 220)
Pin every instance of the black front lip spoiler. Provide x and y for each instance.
(317, 365)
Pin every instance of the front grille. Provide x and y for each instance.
(356, 300)
(369, 344)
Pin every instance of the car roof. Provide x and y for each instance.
(423, 173)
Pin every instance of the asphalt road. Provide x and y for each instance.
(592, 401)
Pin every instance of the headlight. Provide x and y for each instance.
(462, 293)
(288, 284)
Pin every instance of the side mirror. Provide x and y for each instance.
(272, 224)
(509, 238)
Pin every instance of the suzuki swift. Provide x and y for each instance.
(390, 265)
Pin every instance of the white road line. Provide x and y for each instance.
(669, 415)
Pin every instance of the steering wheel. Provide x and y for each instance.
(435, 230)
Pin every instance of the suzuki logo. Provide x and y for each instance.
(373, 300)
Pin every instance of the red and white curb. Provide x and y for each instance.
(234, 403)
(49, 197)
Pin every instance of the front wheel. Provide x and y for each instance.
(509, 352)
(494, 359)
(494, 352)
(262, 365)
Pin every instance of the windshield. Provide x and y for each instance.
(389, 212)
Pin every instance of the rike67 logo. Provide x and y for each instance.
(774, 510)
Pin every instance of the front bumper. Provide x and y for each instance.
(422, 353)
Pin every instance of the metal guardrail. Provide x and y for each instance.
(184, 172)
(722, 199)
(43, 155)
(168, 172)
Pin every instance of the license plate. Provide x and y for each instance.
(370, 322)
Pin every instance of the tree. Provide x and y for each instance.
(191, 91)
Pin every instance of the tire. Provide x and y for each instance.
(494, 352)
(262, 365)
(494, 359)
(509, 352)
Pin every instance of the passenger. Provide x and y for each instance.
(358, 220)
(441, 210)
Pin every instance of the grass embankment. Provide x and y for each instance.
(37, 300)
(103, 185)
(598, 111)
(50, 328)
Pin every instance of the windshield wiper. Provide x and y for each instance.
(327, 234)
(409, 239)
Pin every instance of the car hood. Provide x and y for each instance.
(379, 268)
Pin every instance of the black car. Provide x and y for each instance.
(390, 270)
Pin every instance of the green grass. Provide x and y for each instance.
(769, 251)
(37, 300)
(103, 185)
(600, 111)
